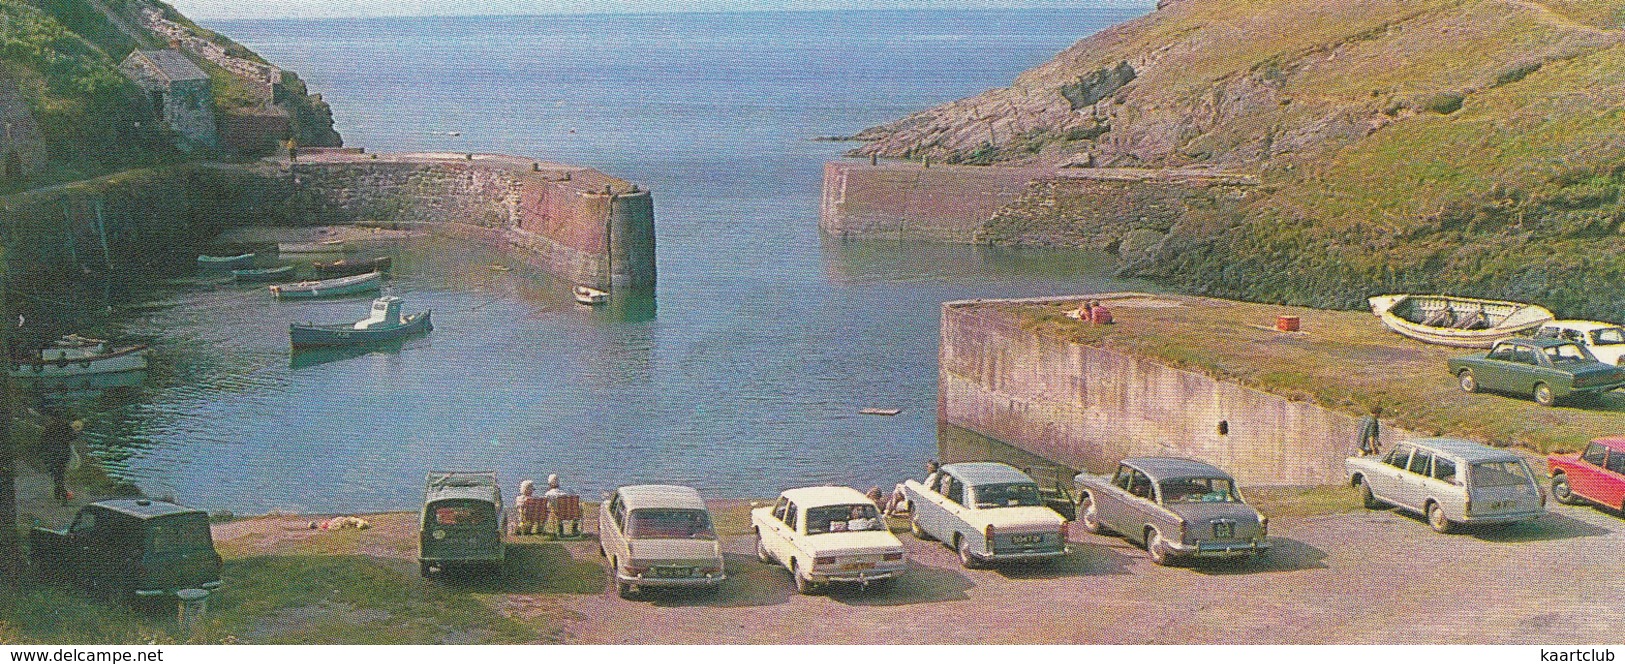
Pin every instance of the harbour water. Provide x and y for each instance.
(742, 376)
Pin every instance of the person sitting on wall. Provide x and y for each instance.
(1099, 314)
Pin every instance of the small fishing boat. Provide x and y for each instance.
(345, 267)
(238, 262)
(588, 295)
(360, 283)
(322, 247)
(1463, 322)
(263, 274)
(74, 355)
(879, 411)
(385, 324)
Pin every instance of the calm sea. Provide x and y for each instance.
(745, 374)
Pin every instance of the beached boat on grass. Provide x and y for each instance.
(1463, 322)
(238, 262)
(588, 295)
(346, 267)
(74, 355)
(361, 283)
(385, 324)
(262, 275)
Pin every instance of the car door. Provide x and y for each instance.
(953, 508)
(1586, 476)
(775, 535)
(82, 549)
(1412, 489)
(1137, 506)
(1495, 371)
(1611, 482)
(1527, 370)
(1109, 504)
(1385, 482)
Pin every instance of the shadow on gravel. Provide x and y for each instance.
(750, 583)
(1082, 560)
(919, 585)
(1551, 526)
(1286, 555)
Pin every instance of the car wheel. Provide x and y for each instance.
(1562, 491)
(761, 549)
(1157, 548)
(804, 585)
(1544, 395)
(1437, 519)
(969, 561)
(919, 533)
(1468, 383)
(1088, 515)
(1367, 498)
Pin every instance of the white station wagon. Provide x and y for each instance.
(657, 535)
(827, 534)
(987, 512)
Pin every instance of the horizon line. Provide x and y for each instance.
(1097, 4)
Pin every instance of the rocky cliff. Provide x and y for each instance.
(1474, 146)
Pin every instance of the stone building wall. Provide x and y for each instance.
(1087, 408)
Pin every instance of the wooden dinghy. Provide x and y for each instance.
(262, 275)
(238, 262)
(588, 295)
(346, 267)
(385, 324)
(361, 283)
(74, 355)
(1463, 322)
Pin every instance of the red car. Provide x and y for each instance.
(1596, 475)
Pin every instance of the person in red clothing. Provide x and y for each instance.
(1099, 314)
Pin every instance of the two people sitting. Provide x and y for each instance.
(555, 512)
(1093, 313)
(1447, 317)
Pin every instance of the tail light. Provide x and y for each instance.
(824, 560)
(1263, 526)
(989, 533)
(893, 556)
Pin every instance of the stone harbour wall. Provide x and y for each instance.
(1087, 408)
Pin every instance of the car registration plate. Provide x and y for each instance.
(1026, 539)
(674, 572)
(1503, 505)
(858, 566)
(1224, 530)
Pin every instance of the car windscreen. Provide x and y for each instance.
(461, 514)
(1198, 490)
(1608, 336)
(669, 523)
(1500, 473)
(1017, 494)
(178, 534)
(842, 518)
(1567, 354)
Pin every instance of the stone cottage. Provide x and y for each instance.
(179, 91)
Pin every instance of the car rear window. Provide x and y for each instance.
(1019, 494)
(1199, 490)
(462, 514)
(1608, 336)
(842, 518)
(176, 534)
(662, 523)
(1567, 353)
(1500, 473)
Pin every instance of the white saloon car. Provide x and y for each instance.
(988, 513)
(1604, 340)
(657, 535)
(827, 534)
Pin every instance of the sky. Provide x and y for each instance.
(230, 9)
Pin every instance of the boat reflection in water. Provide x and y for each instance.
(305, 358)
(89, 384)
(625, 308)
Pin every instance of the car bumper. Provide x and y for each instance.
(1023, 555)
(170, 592)
(1220, 549)
(1595, 389)
(864, 576)
(673, 582)
(1508, 517)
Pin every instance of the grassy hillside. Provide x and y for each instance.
(1473, 146)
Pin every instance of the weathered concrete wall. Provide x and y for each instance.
(1087, 408)
(1073, 207)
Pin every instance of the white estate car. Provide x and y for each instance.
(1604, 340)
(987, 512)
(827, 534)
(658, 535)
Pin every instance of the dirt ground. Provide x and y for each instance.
(1353, 577)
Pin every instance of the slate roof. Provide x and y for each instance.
(172, 65)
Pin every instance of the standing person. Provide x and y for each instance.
(56, 449)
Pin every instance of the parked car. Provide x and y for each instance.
(1547, 369)
(659, 536)
(987, 512)
(130, 548)
(1596, 475)
(462, 523)
(1174, 507)
(827, 534)
(1450, 482)
(1606, 341)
